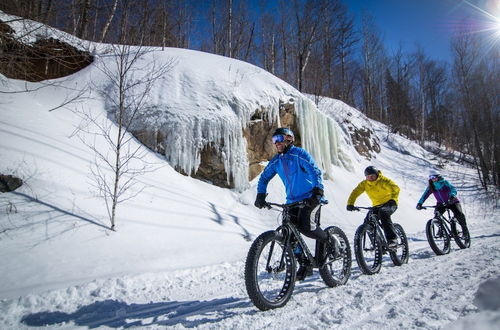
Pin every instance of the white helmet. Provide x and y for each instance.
(434, 174)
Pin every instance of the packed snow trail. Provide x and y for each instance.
(429, 292)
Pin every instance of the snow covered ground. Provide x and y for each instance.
(177, 257)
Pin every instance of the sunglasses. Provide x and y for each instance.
(278, 138)
(432, 177)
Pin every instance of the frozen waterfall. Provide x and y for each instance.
(322, 137)
(187, 136)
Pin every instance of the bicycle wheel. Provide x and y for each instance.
(461, 234)
(337, 268)
(367, 249)
(438, 238)
(269, 272)
(401, 254)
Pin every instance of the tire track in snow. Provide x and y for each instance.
(428, 292)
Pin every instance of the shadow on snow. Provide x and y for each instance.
(118, 314)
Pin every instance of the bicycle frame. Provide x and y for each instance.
(444, 221)
(290, 231)
(373, 219)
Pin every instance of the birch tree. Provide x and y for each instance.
(116, 167)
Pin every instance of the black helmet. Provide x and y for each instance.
(282, 134)
(371, 170)
(283, 131)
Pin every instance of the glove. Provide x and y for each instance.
(419, 206)
(451, 200)
(317, 193)
(350, 208)
(260, 201)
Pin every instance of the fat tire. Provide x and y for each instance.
(252, 279)
(402, 257)
(335, 276)
(462, 240)
(367, 231)
(430, 231)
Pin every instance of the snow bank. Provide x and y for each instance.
(487, 300)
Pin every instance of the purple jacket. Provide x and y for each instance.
(443, 192)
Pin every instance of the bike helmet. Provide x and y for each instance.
(371, 170)
(434, 174)
(283, 133)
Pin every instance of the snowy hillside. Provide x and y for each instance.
(177, 257)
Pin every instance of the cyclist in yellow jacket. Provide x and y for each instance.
(383, 193)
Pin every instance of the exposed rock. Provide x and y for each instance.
(288, 118)
(9, 183)
(212, 168)
(259, 144)
(364, 141)
(5, 29)
(42, 60)
(258, 135)
(154, 140)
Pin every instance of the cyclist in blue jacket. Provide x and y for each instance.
(303, 181)
(445, 195)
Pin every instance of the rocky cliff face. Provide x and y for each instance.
(365, 141)
(44, 59)
(258, 137)
(9, 183)
(355, 125)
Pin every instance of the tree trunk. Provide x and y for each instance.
(108, 21)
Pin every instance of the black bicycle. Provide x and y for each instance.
(442, 228)
(370, 244)
(270, 268)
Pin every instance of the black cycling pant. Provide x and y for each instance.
(457, 212)
(384, 212)
(301, 218)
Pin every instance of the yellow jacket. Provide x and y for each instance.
(380, 191)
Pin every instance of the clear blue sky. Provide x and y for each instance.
(431, 23)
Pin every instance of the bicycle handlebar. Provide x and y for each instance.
(299, 203)
(358, 208)
(269, 205)
(433, 206)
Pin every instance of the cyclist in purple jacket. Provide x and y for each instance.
(446, 197)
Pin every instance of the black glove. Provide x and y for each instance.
(316, 194)
(451, 200)
(260, 201)
(350, 208)
(419, 206)
(391, 202)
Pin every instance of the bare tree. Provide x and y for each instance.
(476, 74)
(432, 82)
(308, 17)
(347, 39)
(229, 27)
(83, 19)
(116, 168)
(108, 21)
(285, 43)
(373, 70)
(333, 55)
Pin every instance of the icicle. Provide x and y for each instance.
(321, 137)
(187, 136)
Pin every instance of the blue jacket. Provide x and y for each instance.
(297, 170)
(443, 192)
